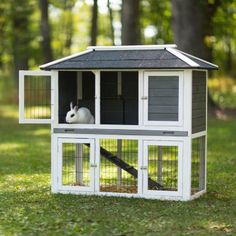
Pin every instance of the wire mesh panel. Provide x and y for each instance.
(76, 164)
(198, 164)
(37, 97)
(163, 167)
(118, 165)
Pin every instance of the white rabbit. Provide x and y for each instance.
(79, 115)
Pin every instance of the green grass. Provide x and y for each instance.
(28, 208)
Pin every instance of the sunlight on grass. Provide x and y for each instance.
(224, 228)
(41, 132)
(24, 182)
(11, 146)
(9, 112)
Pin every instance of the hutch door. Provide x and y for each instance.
(76, 164)
(36, 96)
(163, 98)
(162, 163)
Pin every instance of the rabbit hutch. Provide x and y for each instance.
(148, 137)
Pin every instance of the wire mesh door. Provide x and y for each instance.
(76, 164)
(118, 165)
(162, 165)
(35, 96)
(198, 164)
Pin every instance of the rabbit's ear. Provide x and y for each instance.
(76, 108)
(71, 105)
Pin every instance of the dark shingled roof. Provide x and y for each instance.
(127, 59)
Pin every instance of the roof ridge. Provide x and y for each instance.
(200, 59)
(182, 57)
(131, 47)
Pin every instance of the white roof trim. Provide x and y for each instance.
(182, 57)
(64, 59)
(207, 62)
(132, 47)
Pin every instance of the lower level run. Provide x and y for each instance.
(148, 167)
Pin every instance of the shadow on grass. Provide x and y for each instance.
(24, 148)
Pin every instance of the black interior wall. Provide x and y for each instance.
(119, 109)
(111, 105)
(130, 95)
(88, 88)
(67, 92)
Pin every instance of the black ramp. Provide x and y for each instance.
(128, 168)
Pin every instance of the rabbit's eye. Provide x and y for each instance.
(72, 115)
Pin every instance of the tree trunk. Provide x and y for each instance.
(187, 26)
(94, 27)
(130, 14)
(192, 25)
(68, 26)
(111, 22)
(20, 39)
(45, 31)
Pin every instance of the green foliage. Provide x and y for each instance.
(223, 91)
(225, 36)
(158, 15)
(28, 208)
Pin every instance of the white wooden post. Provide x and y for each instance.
(79, 164)
(119, 155)
(97, 97)
(202, 163)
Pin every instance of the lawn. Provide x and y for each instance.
(28, 208)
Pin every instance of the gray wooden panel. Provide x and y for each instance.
(163, 117)
(163, 98)
(121, 132)
(163, 92)
(198, 113)
(198, 101)
(168, 82)
(163, 109)
(199, 128)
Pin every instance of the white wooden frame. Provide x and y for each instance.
(184, 193)
(180, 97)
(93, 165)
(179, 191)
(22, 74)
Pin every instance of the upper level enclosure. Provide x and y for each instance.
(117, 92)
(149, 87)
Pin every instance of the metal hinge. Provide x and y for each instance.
(144, 98)
(143, 168)
(93, 165)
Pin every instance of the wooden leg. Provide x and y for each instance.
(159, 165)
(202, 163)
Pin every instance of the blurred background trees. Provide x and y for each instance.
(34, 32)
